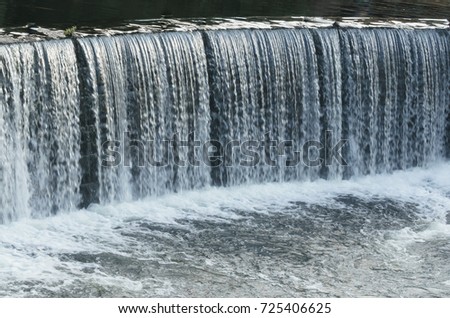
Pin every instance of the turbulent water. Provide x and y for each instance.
(385, 235)
(156, 144)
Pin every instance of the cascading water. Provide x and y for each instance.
(396, 98)
(264, 88)
(67, 106)
(40, 131)
(157, 88)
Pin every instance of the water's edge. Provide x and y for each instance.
(33, 32)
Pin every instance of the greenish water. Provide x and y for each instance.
(111, 12)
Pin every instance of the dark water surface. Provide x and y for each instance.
(111, 12)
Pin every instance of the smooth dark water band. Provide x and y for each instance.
(384, 91)
(65, 13)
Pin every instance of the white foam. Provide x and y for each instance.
(29, 248)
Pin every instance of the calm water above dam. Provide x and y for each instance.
(112, 12)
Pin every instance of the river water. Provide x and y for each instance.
(65, 13)
(385, 235)
(376, 226)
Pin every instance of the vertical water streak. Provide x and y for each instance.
(154, 105)
(40, 129)
(330, 92)
(264, 86)
(16, 73)
(394, 98)
(106, 74)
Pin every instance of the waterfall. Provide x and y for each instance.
(157, 88)
(111, 119)
(40, 131)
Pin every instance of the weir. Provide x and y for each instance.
(87, 120)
